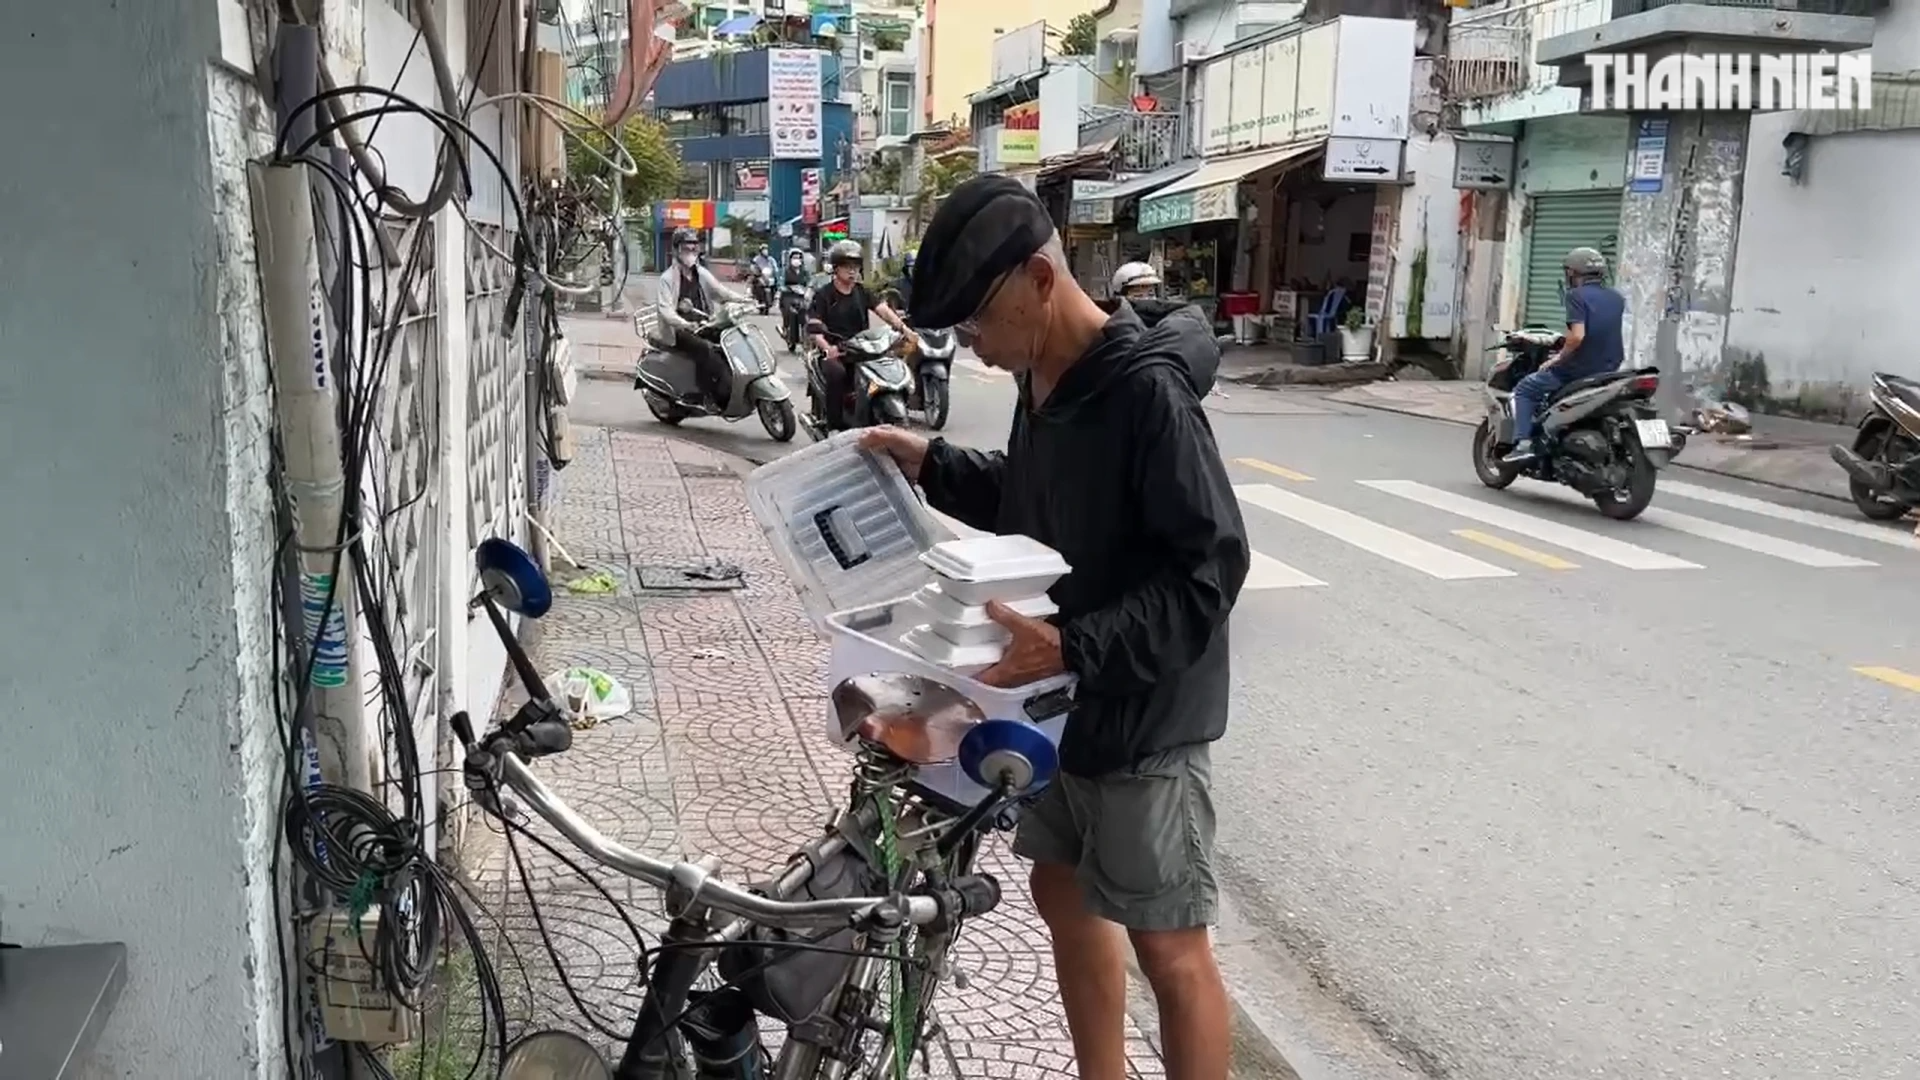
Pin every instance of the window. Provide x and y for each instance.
(898, 120)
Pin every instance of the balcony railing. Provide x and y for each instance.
(1490, 48)
(1143, 141)
(1858, 8)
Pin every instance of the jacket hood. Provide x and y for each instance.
(1142, 334)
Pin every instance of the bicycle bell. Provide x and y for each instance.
(554, 1055)
(914, 718)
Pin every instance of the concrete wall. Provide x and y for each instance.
(1825, 276)
(1065, 87)
(959, 45)
(1677, 247)
(1426, 256)
(138, 788)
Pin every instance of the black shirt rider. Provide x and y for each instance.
(843, 314)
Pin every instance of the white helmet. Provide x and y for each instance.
(1134, 275)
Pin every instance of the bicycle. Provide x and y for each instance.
(883, 892)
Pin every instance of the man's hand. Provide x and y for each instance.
(908, 450)
(1032, 655)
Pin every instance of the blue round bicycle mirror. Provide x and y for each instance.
(513, 579)
(1011, 752)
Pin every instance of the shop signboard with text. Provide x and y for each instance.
(794, 104)
(750, 177)
(1215, 202)
(1351, 77)
(1090, 206)
(1020, 135)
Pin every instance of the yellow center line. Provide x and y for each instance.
(1892, 677)
(1551, 562)
(1268, 467)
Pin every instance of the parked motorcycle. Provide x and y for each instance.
(670, 382)
(933, 381)
(793, 314)
(1600, 436)
(763, 288)
(1883, 464)
(878, 384)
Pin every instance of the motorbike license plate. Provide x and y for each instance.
(1653, 434)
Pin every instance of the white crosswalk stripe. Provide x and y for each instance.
(1265, 572)
(1879, 534)
(1733, 535)
(1759, 543)
(1371, 536)
(1604, 548)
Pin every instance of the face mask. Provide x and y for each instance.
(688, 258)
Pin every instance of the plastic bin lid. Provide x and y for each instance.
(846, 524)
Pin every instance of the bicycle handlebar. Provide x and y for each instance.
(693, 884)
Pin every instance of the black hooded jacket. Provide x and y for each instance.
(1119, 472)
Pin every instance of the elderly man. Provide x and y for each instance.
(1111, 462)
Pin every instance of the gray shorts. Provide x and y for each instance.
(1140, 840)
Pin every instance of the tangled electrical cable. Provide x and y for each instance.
(366, 852)
(361, 850)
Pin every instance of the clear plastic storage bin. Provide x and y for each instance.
(850, 531)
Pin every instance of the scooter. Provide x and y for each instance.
(1883, 464)
(878, 380)
(670, 382)
(763, 288)
(793, 314)
(1600, 436)
(934, 377)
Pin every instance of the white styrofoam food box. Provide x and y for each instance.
(851, 531)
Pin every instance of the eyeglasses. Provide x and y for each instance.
(967, 331)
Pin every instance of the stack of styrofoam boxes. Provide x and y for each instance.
(968, 574)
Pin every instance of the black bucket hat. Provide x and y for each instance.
(984, 228)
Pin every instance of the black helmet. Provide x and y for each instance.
(846, 251)
(684, 236)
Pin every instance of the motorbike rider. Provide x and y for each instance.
(794, 276)
(1594, 345)
(1135, 281)
(842, 307)
(903, 285)
(689, 280)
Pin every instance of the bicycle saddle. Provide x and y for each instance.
(912, 717)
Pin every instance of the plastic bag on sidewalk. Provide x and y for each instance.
(590, 695)
(1721, 417)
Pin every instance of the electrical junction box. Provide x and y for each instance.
(355, 1003)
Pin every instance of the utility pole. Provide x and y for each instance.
(305, 405)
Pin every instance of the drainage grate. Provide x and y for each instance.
(692, 471)
(699, 577)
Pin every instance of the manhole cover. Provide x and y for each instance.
(692, 471)
(704, 577)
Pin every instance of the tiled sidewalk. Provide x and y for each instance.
(725, 753)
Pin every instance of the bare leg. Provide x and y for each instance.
(1092, 972)
(1194, 1016)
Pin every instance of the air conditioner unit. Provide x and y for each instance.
(1186, 52)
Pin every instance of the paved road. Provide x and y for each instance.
(1534, 794)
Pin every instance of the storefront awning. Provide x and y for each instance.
(1153, 181)
(1208, 194)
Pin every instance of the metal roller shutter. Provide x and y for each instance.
(1562, 221)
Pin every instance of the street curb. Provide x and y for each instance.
(606, 374)
(1378, 407)
(1254, 1057)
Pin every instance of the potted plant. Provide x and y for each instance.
(1356, 337)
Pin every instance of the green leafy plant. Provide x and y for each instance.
(1080, 38)
(1356, 319)
(645, 138)
(883, 176)
(938, 177)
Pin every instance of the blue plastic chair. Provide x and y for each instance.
(1320, 323)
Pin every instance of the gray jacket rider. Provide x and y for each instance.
(668, 304)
